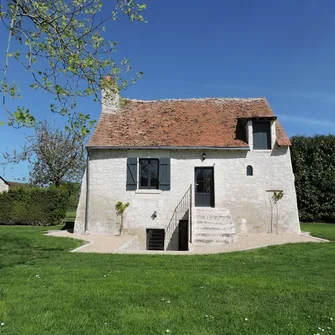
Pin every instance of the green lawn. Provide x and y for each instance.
(45, 289)
(70, 215)
(323, 230)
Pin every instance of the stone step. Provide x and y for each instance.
(214, 214)
(214, 232)
(212, 217)
(213, 228)
(210, 210)
(211, 235)
(213, 223)
(214, 241)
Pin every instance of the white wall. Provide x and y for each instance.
(245, 196)
(3, 186)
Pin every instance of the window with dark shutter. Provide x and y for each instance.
(164, 174)
(250, 171)
(261, 135)
(153, 173)
(131, 174)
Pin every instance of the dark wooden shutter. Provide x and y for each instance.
(261, 135)
(131, 174)
(164, 174)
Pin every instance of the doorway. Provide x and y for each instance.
(204, 187)
(183, 235)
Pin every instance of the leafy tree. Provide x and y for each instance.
(313, 160)
(55, 156)
(62, 45)
(120, 208)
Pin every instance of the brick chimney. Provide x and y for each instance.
(110, 97)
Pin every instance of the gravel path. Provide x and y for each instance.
(113, 244)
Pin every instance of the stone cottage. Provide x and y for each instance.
(195, 171)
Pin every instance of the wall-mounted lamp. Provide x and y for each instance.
(203, 156)
(154, 215)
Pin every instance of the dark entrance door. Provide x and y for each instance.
(183, 235)
(204, 187)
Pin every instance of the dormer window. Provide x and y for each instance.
(261, 135)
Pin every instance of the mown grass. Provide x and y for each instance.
(323, 230)
(70, 216)
(44, 289)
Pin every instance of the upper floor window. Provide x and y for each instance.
(261, 135)
(148, 173)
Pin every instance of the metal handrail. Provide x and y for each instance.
(184, 206)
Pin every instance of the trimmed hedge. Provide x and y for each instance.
(73, 192)
(313, 160)
(33, 206)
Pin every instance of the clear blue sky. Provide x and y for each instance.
(282, 50)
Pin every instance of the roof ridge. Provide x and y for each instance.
(196, 99)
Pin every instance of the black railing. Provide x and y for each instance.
(183, 211)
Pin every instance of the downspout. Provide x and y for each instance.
(87, 191)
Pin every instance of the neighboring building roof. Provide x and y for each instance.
(11, 183)
(6, 182)
(211, 122)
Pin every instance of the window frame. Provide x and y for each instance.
(148, 187)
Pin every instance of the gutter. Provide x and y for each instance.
(257, 118)
(243, 148)
(87, 191)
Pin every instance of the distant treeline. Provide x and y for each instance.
(313, 160)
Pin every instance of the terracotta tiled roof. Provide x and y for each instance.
(208, 122)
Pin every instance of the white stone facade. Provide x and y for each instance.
(3, 186)
(247, 198)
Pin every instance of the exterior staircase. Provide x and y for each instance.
(212, 226)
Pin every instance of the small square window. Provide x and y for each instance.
(149, 173)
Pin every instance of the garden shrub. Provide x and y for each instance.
(313, 160)
(33, 206)
(73, 192)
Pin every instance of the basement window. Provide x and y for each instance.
(155, 239)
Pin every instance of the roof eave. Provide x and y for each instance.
(257, 118)
(227, 148)
(6, 182)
